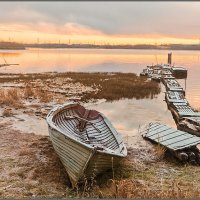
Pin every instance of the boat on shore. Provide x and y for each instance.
(85, 141)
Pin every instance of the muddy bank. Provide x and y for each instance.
(29, 165)
(30, 168)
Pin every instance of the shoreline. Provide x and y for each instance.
(30, 168)
(100, 48)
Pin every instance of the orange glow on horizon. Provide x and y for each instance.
(73, 33)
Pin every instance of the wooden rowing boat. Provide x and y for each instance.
(85, 141)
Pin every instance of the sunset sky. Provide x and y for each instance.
(100, 22)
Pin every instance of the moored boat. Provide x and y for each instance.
(85, 141)
(179, 72)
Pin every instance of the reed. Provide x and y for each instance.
(160, 151)
(42, 95)
(7, 112)
(11, 97)
(28, 91)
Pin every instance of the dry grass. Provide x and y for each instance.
(36, 92)
(11, 97)
(7, 112)
(160, 151)
(43, 95)
(116, 86)
(29, 167)
(28, 91)
(135, 189)
(110, 86)
(141, 183)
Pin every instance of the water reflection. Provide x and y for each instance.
(90, 60)
(128, 115)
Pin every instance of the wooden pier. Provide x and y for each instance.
(175, 94)
(186, 118)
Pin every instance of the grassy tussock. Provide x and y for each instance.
(28, 91)
(43, 95)
(160, 151)
(132, 182)
(7, 112)
(134, 189)
(11, 98)
(37, 93)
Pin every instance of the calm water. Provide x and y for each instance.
(126, 115)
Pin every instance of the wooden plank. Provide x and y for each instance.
(171, 138)
(168, 135)
(158, 131)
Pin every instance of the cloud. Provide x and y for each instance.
(174, 19)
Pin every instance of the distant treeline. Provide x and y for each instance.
(107, 46)
(14, 45)
(11, 45)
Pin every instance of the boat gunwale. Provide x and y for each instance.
(122, 148)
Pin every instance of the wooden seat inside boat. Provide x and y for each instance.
(80, 111)
(85, 114)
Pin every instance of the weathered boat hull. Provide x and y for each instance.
(83, 159)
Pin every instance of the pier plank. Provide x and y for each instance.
(169, 137)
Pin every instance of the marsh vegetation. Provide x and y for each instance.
(109, 86)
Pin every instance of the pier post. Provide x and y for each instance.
(170, 58)
(185, 85)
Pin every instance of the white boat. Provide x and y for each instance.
(144, 72)
(166, 72)
(85, 141)
(156, 77)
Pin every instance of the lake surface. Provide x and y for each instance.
(126, 115)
